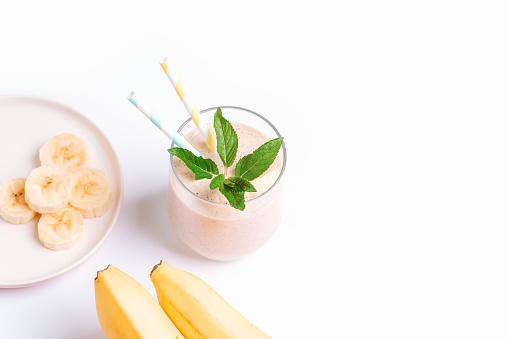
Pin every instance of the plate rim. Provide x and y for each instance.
(36, 281)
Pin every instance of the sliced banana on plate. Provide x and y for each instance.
(61, 230)
(13, 207)
(47, 189)
(64, 190)
(65, 150)
(90, 192)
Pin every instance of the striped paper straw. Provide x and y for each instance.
(188, 103)
(170, 132)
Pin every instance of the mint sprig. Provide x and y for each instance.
(248, 168)
(201, 167)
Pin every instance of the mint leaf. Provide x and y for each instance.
(228, 183)
(236, 199)
(253, 165)
(201, 167)
(227, 140)
(233, 189)
(239, 184)
(217, 182)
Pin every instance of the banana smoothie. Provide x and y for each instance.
(205, 221)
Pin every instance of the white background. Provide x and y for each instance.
(396, 121)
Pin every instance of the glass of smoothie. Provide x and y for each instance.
(202, 218)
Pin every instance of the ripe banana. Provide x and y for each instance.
(196, 309)
(47, 189)
(127, 310)
(60, 230)
(65, 150)
(13, 207)
(90, 192)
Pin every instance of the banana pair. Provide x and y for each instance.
(63, 190)
(189, 308)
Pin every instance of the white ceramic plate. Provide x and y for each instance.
(26, 123)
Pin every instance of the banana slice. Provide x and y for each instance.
(65, 150)
(13, 207)
(61, 230)
(90, 192)
(47, 189)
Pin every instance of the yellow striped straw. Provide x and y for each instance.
(188, 103)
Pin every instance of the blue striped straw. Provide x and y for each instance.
(170, 132)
